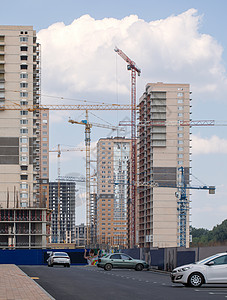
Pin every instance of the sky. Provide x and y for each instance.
(178, 41)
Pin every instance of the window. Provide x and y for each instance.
(45, 139)
(180, 135)
(180, 142)
(23, 75)
(44, 157)
(24, 149)
(180, 155)
(23, 48)
(23, 67)
(44, 126)
(23, 84)
(24, 130)
(24, 57)
(115, 256)
(44, 150)
(23, 158)
(180, 108)
(23, 140)
(180, 128)
(24, 168)
(125, 257)
(24, 195)
(23, 94)
(180, 115)
(24, 122)
(24, 177)
(23, 185)
(180, 101)
(23, 39)
(23, 102)
(220, 260)
(45, 115)
(180, 162)
(44, 145)
(180, 149)
(180, 94)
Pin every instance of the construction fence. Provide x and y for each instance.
(158, 258)
(169, 258)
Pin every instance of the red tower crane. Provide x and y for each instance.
(134, 69)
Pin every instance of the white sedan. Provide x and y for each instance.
(209, 270)
(58, 258)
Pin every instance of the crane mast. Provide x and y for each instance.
(134, 69)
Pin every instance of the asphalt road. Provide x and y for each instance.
(92, 283)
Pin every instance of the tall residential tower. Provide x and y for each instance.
(112, 157)
(163, 147)
(24, 133)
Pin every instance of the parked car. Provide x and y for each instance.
(212, 269)
(121, 260)
(59, 258)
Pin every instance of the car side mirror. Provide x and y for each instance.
(211, 263)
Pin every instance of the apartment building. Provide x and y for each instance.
(20, 129)
(163, 147)
(65, 212)
(24, 132)
(112, 157)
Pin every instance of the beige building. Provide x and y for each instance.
(112, 158)
(163, 147)
(24, 134)
(24, 142)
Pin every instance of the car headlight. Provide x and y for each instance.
(184, 269)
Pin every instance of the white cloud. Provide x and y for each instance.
(208, 145)
(78, 60)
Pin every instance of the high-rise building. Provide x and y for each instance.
(112, 157)
(63, 213)
(24, 142)
(163, 147)
(24, 133)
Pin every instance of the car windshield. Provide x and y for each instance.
(203, 261)
(61, 254)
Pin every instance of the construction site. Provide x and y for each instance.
(137, 195)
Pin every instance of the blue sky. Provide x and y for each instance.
(194, 51)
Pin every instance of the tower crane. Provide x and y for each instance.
(134, 69)
(59, 150)
(88, 127)
(182, 203)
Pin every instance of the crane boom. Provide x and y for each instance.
(177, 123)
(67, 107)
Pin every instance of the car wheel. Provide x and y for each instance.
(108, 267)
(195, 280)
(139, 267)
(68, 265)
(65, 266)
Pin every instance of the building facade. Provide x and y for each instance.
(81, 235)
(22, 174)
(163, 147)
(63, 211)
(112, 157)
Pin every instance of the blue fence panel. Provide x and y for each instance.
(157, 258)
(134, 252)
(185, 257)
(38, 256)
